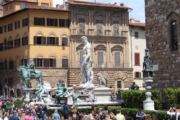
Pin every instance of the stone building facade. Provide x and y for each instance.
(163, 40)
(137, 45)
(107, 29)
(30, 31)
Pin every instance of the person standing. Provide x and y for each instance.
(119, 116)
(15, 117)
(55, 116)
(44, 109)
(28, 116)
(65, 110)
(34, 115)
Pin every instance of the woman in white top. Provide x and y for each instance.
(6, 116)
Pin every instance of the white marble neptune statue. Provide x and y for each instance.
(86, 67)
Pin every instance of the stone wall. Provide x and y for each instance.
(111, 75)
(159, 16)
(50, 75)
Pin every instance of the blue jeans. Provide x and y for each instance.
(44, 117)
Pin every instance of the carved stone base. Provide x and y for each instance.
(148, 105)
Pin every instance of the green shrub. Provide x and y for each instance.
(135, 98)
(172, 96)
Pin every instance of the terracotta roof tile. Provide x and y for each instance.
(96, 4)
(137, 24)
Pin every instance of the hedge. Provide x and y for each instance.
(135, 98)
(126, 111)
(173, 97)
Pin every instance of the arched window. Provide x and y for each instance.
(174, 37)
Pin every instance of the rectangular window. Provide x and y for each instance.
(136, 35)
(1, 65)
(39, 62)
(17, 24)
(137, 75)
(81, 26)
(52, 41)
(64, 22)
(6, 8)
(10, 44)
(100, 59)
(1, 29)
(39, 21)
(137, 59)
(64, 41)
(5, 28)
(10, 27)
(10, 82)
(11, 66)
(17, 43)
(24, 62)
(5, 65)
(52, 22)
(22, 5)
(49, 62)
(24, 41)
(1, 46)
(119, 85)
(64, 63)
(44, 4)
(117, 59)
(116, 28)
(11, 6)
(25, 22)
(99, 27)
(39, 40)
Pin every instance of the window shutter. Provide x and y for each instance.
(18, 24)
(139, 74)
(35, 61)
(22, 62)
(48, 22)
(137, 62)
(14, 64)
(44, 40)
(35, 40)
(35, 22)
(64, 62)
(54, 62)
(43, 21)
(56, 22)
(117, 59)
(57, 40)
(46, 62)
(68, 23)
(48, 40)
(100, 59)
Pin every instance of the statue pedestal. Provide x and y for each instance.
(148, 104)
(102, 96)
(27, 95)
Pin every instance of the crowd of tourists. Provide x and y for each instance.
(39, 112)
(174, 113)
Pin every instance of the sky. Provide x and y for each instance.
(138, 12)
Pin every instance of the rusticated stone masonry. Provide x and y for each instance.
(159, 16)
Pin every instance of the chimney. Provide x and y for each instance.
(122, 4)
(115, 3)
